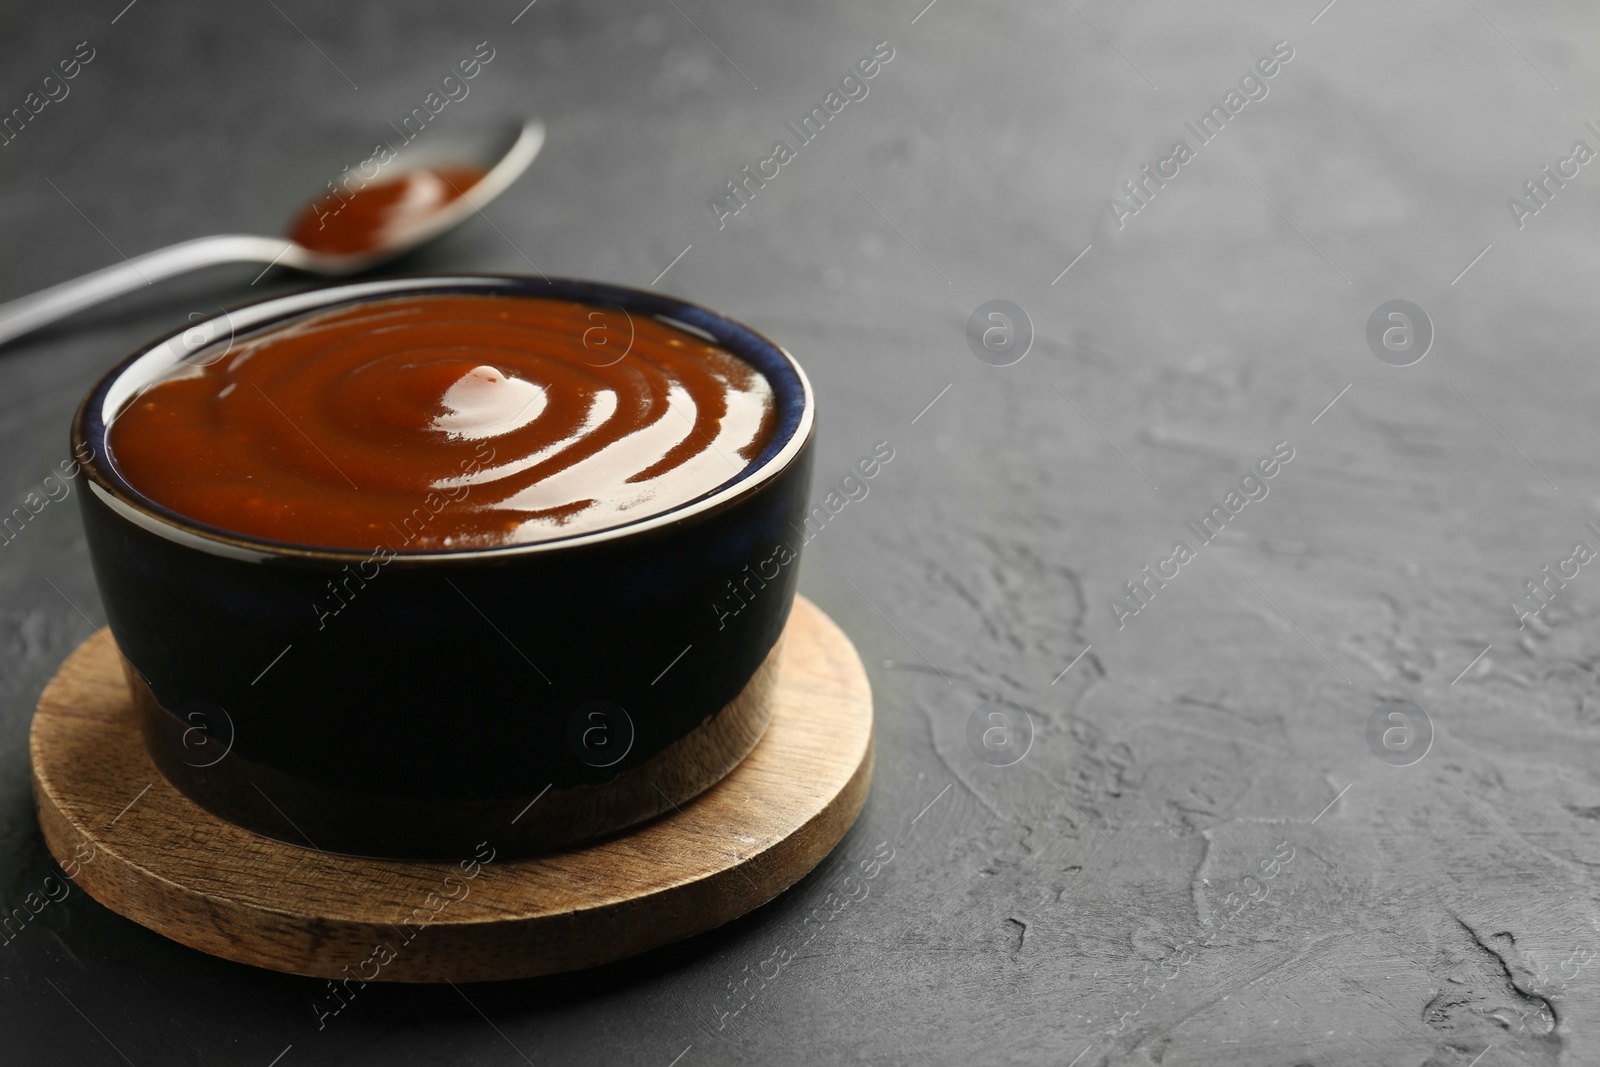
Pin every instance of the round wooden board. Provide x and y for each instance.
(146, 851)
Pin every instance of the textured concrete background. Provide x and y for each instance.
(1200, 859)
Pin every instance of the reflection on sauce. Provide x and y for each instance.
(445, 422)
(380, 213)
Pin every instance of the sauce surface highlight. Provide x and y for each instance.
(380, 212)
(442, 422)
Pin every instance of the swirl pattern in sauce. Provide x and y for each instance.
(442, 422)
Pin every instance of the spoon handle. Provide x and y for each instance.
(30, 312)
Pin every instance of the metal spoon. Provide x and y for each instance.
(503, 158)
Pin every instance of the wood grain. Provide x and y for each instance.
(161, 860)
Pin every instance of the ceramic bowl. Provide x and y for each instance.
(532, 695)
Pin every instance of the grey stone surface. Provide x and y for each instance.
(1200, 860)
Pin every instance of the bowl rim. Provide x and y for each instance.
(92, 421)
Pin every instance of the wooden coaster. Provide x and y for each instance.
(146, 851)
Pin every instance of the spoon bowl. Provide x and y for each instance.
(501, 157)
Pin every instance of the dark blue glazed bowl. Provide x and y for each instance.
(530, 695)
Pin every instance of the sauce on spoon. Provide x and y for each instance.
(380, 213)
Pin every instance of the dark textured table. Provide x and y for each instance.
(1221, 846)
